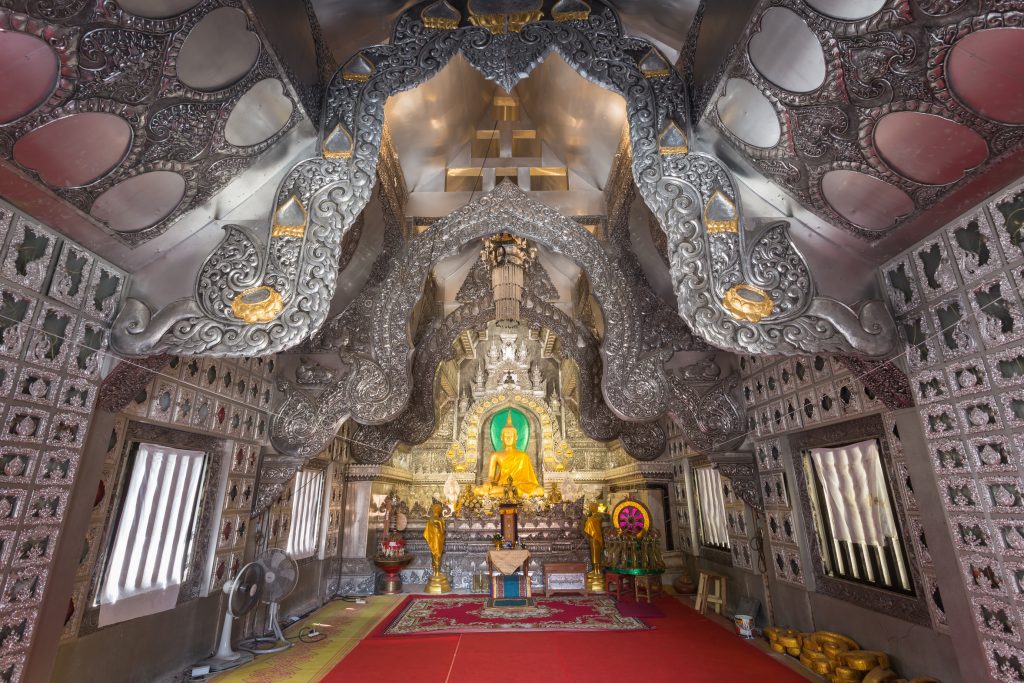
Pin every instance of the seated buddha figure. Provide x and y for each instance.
(510, 462)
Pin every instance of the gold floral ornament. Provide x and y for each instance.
(504, 16)
(359, 68)
(337, 145)
(653, 65)
(720, 214)
(458, 458)
(289, 219)
(257, 304)
(441, 16)
(747, 302)
(570, 10)
(672, 140)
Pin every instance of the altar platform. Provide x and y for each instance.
(552, 535)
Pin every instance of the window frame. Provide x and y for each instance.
(195, 582)
(141, 602)
(700, 514)
(910, 608)
(824, 527)
(316, 514)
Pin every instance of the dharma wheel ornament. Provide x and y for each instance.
(631, 517)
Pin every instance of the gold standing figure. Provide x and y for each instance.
(510, 462)
(594, 530)
(434, 533)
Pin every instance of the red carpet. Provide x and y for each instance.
(683, 648)
(640, 610)
(468, 614)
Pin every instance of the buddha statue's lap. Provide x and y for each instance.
(510, 462)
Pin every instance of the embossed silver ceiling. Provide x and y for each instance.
(348, 25)
(881, 117)
(119, 119)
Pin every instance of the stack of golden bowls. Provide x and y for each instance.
(835, 657)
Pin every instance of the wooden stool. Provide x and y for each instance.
(705, 596)
(647, 584)
(617, 583)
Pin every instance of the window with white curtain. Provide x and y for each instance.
(714, 530)
(307, 513)
(854, 515)
(149, 557)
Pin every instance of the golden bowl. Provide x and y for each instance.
(823, 636)
(881, 674)
(864, 660)
(789, 640)
(832, 649)
(818, 663)
(842, 674)
(811, 643)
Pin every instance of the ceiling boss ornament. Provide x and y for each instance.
(675, 182)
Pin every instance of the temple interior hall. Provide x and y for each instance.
(527, 341)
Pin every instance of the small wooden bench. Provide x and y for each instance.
(565, 577)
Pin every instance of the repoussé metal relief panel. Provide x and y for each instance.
(135, 113)
(56, 303)
(957, 294)
(869, 114)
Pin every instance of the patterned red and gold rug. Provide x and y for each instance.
(470, 614)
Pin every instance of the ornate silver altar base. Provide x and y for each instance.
(553, 535)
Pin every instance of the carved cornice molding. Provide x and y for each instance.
(655, 471)
(127, 379)
(741, 470)
(396, 475)
(884, 378)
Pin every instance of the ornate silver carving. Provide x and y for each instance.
(312, 373)
(676, 186)
(118, 63)
(892, 60)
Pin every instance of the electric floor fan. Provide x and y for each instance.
(280, 575)
(243, 593)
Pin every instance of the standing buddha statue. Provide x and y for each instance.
(435, 533)
(594, 530)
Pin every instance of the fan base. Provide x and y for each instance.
(264, 645)
(224, 663)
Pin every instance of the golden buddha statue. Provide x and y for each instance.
(510, 463)
(593, 528)
(435, 533)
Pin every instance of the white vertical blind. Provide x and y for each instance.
(307, 507)
(152, 538)
(713, 526)
(857, 504)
